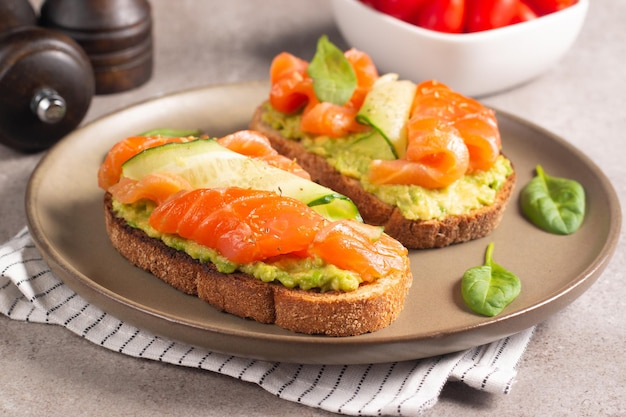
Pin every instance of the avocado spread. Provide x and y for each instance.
(350, 158)
(308, 273)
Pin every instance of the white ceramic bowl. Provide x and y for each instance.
(474, 64)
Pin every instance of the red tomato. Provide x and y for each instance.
(523, 13)
(442, 16)
(542, 7)
(401, 9)
(489, 14)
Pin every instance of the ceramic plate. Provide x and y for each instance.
(64, 208)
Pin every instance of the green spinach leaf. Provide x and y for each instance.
(489, 288)
(334, 79)
(556, 205)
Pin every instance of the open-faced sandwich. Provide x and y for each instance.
(421, 160)
(243, 228)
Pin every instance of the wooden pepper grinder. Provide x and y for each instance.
(115, 34)
(16, 13)
(46, 81)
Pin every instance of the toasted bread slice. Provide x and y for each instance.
(414, 234)
(371, 307)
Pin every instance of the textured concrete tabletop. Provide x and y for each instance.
(575, 364)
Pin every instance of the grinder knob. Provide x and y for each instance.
(48, 105)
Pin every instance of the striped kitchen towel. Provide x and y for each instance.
(29, 291)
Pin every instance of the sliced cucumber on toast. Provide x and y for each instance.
(373, 145)
(387, 108)
(172, 132)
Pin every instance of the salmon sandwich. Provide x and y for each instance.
(420, 159)
(245, 229)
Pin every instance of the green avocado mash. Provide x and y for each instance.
(290, 272)
(415, 202)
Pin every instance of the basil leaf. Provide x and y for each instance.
(556, 205)
(489, 288)
(334, 79)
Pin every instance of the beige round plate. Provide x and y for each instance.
(64, 208)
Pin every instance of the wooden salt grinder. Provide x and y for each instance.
(115, 34)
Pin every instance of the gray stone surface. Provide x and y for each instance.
(575, 364)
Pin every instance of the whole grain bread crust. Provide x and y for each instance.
(369, 308)
(414, 234)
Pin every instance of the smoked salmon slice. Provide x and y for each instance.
(366, 74)
(111, 168)
(257, 145)
(246, 225)
(436, 157)
(331, 120)
(359, 247)
(434, 99)
(285, 64)
(243, 225)
(248, 142)
(291, 87)
(476, 123)
(158, 187)
(482, 138)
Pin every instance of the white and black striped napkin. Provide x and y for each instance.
(29, 291)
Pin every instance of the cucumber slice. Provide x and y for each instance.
(180, 133)
(207, 164)
(387, 108)
(374, 146)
